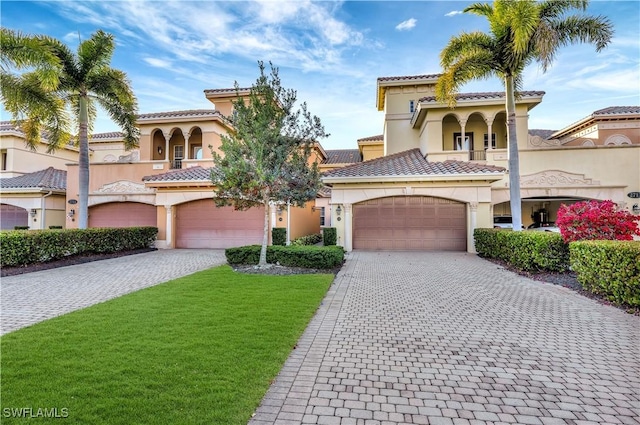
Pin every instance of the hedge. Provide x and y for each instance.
(313, 257)
(527, 251)
(329, 236)
(307, 240)
(608, 268)
(279, 236)
(19, 248)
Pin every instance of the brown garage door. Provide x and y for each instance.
(122, 214)
(410, 223)
(12, 216)
(200, 224)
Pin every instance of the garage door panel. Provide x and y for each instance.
(409, 223)
(200, 224)
(12, 216)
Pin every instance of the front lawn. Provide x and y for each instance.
(202, 349)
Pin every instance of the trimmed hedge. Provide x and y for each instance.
(528, 251)
(609, 268)
(18, 248)
(279, 236)
(313, 257)
(307, 240)
(329, 236)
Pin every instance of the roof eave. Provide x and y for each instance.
(416, 178)
(179, 183)
(32, 190)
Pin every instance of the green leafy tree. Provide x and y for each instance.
(59, 89)
(520, 32)
(265, 159)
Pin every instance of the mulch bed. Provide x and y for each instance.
(274, 269)
(69, 261)
(568, 280)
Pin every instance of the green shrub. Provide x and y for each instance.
(609, 268)
(20, 248)
(313, 257)
(307, 240)
(528, 251)
(279, 236)
(329, 236)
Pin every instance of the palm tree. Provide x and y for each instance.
(58, 84)
(520, 32)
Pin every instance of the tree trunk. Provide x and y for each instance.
(83, 165)
(514, 162)
(265, 238)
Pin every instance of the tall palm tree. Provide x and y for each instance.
(520, 32)
(59, 85)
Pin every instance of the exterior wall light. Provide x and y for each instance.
(33, 212)
(338, 210)
(159, 150)
(635, 208)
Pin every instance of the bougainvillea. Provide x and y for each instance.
(596, 220)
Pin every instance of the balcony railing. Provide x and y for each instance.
(478, 155)
(176, 164)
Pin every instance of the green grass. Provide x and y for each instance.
(202, 349)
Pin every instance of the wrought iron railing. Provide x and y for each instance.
(176, 164)
(478, 155)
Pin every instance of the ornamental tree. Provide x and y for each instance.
(596, 220)
(265, 158)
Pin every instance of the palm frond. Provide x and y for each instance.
(481, 9)
(96, 52)
(463, 45)
(556, 8)
(596, 30)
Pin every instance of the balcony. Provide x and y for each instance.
(176, 164)
(480, 155)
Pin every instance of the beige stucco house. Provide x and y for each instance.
(444, 171)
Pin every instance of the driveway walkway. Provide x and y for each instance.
(33, 297)
(448, 338)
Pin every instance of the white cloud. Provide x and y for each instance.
(454, 13)
(406, 25)
(159, 63)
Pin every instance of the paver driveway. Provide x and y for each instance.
(31, 298)
(448, 338)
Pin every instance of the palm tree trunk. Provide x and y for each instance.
(514, 162)
(265, 239)
(83, 165)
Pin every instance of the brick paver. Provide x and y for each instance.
(33, 297)
(448, 338)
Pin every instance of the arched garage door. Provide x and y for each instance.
(122, 214)
(200, 224)
(12, 216)
(410, 223)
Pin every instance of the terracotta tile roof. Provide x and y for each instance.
(343, 156)
(179, 114)
(484, 95)
(545, 134)
(48, 179)
(409, 77)
(7, 126)
(410, 163)
(324, 192)
(231, 90)
(186, 174)
(618, 110)
(379, 137)
(109, 135)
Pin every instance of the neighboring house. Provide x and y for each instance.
(35, 200)
(445, 170)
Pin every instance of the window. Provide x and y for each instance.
(321, 216)
(4, 160)
(457, 141)
(178, 152)
(493, 141)
(196, 152)
(411, 106)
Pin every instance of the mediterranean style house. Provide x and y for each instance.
(432, 176)
(444, 172)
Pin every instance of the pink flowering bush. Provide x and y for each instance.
(596, 220)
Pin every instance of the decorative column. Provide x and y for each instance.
(348, 226)
(169, 230)
(489, 122)
(186, 145)
(167, 137)
(463, 135)
(473, 223)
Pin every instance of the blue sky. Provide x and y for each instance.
(330, 52)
